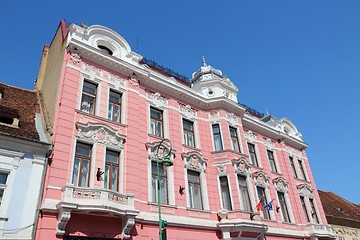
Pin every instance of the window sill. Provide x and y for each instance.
(193, 148)
(100, 118)
(162, 205)
(154, 136)
(197, 210)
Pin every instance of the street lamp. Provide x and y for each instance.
(166, 163)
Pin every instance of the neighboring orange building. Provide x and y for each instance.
(106, 111)
(343, 215)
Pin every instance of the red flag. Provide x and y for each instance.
(259, 206)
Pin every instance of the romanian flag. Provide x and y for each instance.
(259, 206)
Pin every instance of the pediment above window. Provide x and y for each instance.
(281, 184)
(152, 148)
(194, 161)
(269, 144)
(157, 100)
(187, 112)
(100, 133)
(305, 190)
(250, 136)
(261, 179)
(241, 166)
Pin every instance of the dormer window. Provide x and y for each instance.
(6, 120)
(105, 49)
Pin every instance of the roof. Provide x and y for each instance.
(339, 211)
(17, 104)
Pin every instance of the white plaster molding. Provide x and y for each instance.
(232, 119)
(187, 112)
(305, 190)
(269, 144)
(127, 223)
(63, 218)
(134, 80)
(157, 100)
(75, 56)
(250, 136)
(281, 184)
(152, 149)
(221, 169)
(223, 214)
(214, 116)
(241, 166)
(261, 179)
(194, 161)
(100, 133)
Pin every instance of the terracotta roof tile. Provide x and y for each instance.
(20, 104)
(339, 211)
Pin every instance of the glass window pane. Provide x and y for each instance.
(76, 172)
(3, 177)
(87, 103)
(114, 97)
(106, 176)
(114, 179)
(84, 173)
(83, 149)
(218, 143)
(89, 88)
(154, 188)
(159, 129)
(225, 193)
(110, 111)
(112, 157)
(116, 113)
(1, 194)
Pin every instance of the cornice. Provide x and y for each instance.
(262, 128)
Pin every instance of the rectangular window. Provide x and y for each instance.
(272, 161)
(302, 170)
(244, 194)
(194, 189)
(252, 153)
(225, 193)
(161, 186)
(3, 180)
(111, 177)
(234, 139)
(313, 211)
(156, 122)
(293, 169)
(283, 207)
(217, 137)
(81, 168)
(188, 130)
(114, 108)
(304, 208)
(88, 99)
(263, 200)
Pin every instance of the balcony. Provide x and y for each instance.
(323, 231)
(95, 201)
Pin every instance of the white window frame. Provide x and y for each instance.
(196, 140)
(200, 168)
(121, 167)
(152, 148)
(262, 180)
(222, 173)
(164, 120)
(256, 152)
(238, 139)
(275, 160)
(122, 102)
(281, 185)
(97, 98)
(92, 161)
(213, 137)
(306, 176)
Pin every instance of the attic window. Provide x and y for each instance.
(6, 120)
(105, 49)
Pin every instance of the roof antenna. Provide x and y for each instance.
(137, 44)
(203, 60)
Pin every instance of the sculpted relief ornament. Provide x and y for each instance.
(261, 179)
(156, 99)
(100, 133)
(250, 136)
(75, 56)
(281, 184)
(194, 161)
(305, 191)
(241, 166)
(232, 119)
(187, 112)
(269, 144)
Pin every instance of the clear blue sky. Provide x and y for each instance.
(296, 59)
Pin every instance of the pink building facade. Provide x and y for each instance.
(108, 108)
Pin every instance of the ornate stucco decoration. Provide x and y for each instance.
(250, 136)
(156, 99)
(281, 184)
(241, 166)
(100, 133)
(100, 39)
(127, 223)
(261, 179)
(75, 56)
(293, 152)
(134, 80)
(63, 218)
(305, 191)
(214, 116)
(152, 149)
(187, 112)
(269, 144)
(92, 71)
(194, 161)
(232, 119)
(223, 213)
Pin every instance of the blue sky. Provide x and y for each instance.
(295, 59)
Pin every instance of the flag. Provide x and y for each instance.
(259, 206)
(269, 205)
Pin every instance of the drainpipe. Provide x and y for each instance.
(36, 217)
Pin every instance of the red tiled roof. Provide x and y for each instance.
(21, 104)
(339, 211)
